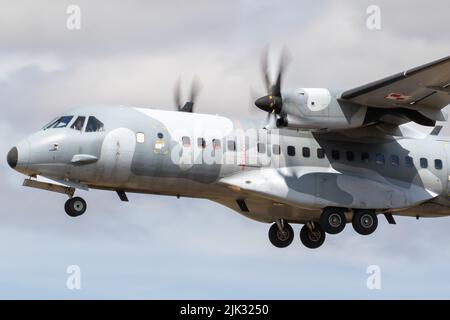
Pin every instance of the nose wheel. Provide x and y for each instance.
(75, 207)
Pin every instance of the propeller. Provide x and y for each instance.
(272, 102)
(188, 106)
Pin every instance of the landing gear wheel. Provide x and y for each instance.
(281, 239)
(365, 222)
(75, 207)
(312, 239)
(333, 220)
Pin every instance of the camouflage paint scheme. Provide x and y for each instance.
(294, 188)
(332, 157)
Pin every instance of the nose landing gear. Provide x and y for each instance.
(75, 207)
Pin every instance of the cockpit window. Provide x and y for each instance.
(59, 123)
(78, 124)
(94, 125)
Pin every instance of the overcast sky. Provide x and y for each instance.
(131, 53)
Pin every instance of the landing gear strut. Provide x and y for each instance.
(312, 235)
(281, 234)
(365, 222)
(75, 207)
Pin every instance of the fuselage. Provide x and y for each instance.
(282, 173)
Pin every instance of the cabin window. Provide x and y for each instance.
(231, 145)
(409, 161)
(306, 152)
(438, 164)
(395, 161)
(424, 163)
(350, 155)
(335, 154)
(140, 137)
(94, 125)
(320, 153)
(365, 157)
(276, 149)
(216, 144)
(261, 147)
(201, 143)
(291, 151)
(379, 159)
(78, 124)
(186, 141)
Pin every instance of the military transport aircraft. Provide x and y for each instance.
(323, 159)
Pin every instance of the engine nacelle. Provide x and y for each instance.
(320, 109)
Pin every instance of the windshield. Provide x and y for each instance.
(61, 122)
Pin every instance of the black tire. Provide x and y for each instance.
(75, 207)
(281, 239)
(312, 239)
(365, 222)
(333, 220)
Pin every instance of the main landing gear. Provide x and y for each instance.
(364, 222)
(331, 221)
(281, 234)
(75, 206)
(312, 235)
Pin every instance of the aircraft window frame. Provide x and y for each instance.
(438, 165)
(99, 126)
(423, 163)
(140, 137)
(320, 153)
(217, 144)
(365, 157)
(231, 145)
(201, 143)
(261, 147)
(395, 160)
(186, 141)
(409, 161)
(335, 154)
(306, 152)
(56, 123)
(350, 156)
(380, 159)
(83, 119)
(290, 151)
(48, 125)
(276, 149)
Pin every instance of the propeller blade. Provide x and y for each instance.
(177, 94)
(195, 89)
(265, 69)
(284, 61)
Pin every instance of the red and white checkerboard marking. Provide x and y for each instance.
(397, 97)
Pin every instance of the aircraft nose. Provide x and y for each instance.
(12, 157)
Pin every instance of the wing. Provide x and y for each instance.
(416, 95)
